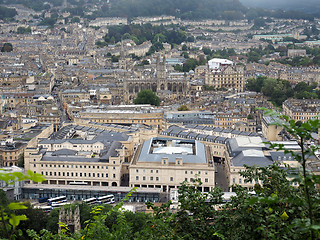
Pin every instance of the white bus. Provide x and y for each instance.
(57, 205)
(46, 209)
(60, 199)
(90, 201)
(106, 199)
(78, 183)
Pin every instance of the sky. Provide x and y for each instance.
(301, 5)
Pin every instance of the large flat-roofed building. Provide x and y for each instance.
(92, 156)
(252, 151)
(167, 162)
(302, 109)
(243, 151)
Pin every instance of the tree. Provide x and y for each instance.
(183, 108)
(23, 30)
(147, 97)
(7, 47)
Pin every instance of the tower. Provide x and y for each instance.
(70, 218)
(161, 74)
(122, 59)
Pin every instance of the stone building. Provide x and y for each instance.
(222, 73)
(302, 109)
(70, 218)
(166, 162)
(159, 81)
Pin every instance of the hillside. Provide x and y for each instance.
(186, 9)
(307, 6)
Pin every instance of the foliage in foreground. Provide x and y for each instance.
(278, 209)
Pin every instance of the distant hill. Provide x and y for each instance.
(308, 6)
(187, 9)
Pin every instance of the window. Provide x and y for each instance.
(151, 171)
(137, 170)
(206, 180)
(80, 174)
(151, 178)
(98, 175)
(107, 175)
(67, 174)
(93, 174)
(89, 174)
(101, 174)
(114, 168)
(171, 179)
(186, 172)
(157, 178)
(114, 176)
(157, 171)
(240, 180)
(137, 177)
(186, 179)
(84, 174)
(143, 178)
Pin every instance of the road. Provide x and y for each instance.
(221, 177)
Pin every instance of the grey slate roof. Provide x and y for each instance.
(251, 161)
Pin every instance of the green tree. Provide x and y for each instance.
(7, 47)
(190, 64)
(147, 97)
(183, 108)
(23, 30)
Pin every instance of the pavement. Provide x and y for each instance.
(221, 177)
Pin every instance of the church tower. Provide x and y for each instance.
(122, 59)
(161, 74)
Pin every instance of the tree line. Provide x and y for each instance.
(279, 90)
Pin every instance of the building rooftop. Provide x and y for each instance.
(190, 151)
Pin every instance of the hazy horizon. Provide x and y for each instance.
(306, 5)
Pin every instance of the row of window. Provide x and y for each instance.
(75, 166)
(71, 174)
(171, 179)
(157, 171)
(125, 121)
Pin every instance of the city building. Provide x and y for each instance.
(91, 156)
(222, 73)
(167, 162)
(302, 109)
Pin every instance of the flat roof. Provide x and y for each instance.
(199, 156)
